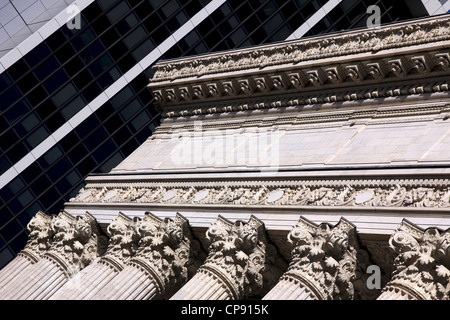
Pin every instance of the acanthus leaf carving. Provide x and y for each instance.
(240, 252)
(122, 243)
(167, 249)
(40, 235)
(77, 241)
(328, 260)
(422, 263)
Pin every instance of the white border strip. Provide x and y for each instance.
(84, 113)
(314, 19)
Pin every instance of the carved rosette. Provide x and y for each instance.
(324, 259)
(422, 266)
(122, 241)
(241, 256)
(40, 233)
(167, 251)
(76, 242)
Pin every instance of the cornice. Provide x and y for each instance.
(411, 33)
(353, 65)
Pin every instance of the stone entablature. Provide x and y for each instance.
(353, 65)
(393, 36)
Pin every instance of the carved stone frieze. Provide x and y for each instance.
(432, 193)
(167, 251)
(76, 242)
(240, 254)
(422, 265)
(40, 234)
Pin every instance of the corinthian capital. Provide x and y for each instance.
(40, 233)
(422, 265)
(240, 253)
(122, 242)
(167, 250)
(77, 241)
(324, 258)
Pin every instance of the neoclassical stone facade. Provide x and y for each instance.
(314, 169)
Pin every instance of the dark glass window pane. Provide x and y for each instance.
(39, 53)
(64, 94)
(18, 69)
(121, 97)
(47, 67)
(78, 153)
(8, 138)
(10, 230)
(27, 83)
(17, 152)
(73, 107)
(5, 215)
(81, 40)
(133, 107)
(37, 137)
(5, 256)
(17, 111)
(55, 122)
(5, 81)
(140, 120)
(52, 155)
(74, 66)
(4, 165)
(40, 185)
(135, 37)
(58, 170)
(118, 11)
(55, 81)
(37, 95)
(19, 242)
(9, 97)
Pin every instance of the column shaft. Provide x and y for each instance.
(289, 288)
(132, 283)
(204, 285)
(11, 271)
(86, 283)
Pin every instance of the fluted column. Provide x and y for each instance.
(422, 265)
(240, 263)
(87, 283)
(38, 242)
(324, 263)
(75, 244)
(166, 257)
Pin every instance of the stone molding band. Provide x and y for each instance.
(217, 84)
(293, 52)
(401, 192)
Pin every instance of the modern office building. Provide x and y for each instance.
(74, 75)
